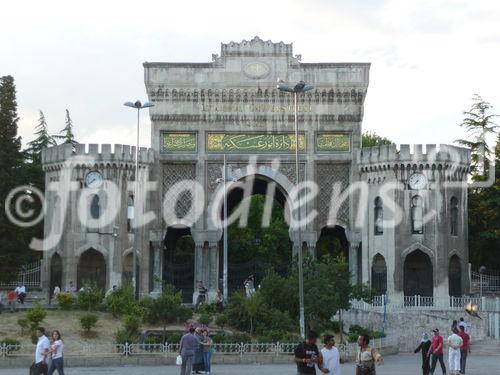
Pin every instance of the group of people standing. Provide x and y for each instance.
(458, 348)
(196, 351)
(46, 352)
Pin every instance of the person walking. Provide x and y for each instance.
(464, 349)
(11, 300)
(307, 355)
(21, 293)
(56, 350)
(202, 294)
(331, 356)
(367, 357)
(454, 342)
(424, 346)
(219, 303)
(189, 343)
(206, 344)
(42, 348)
(436, 350)
(198, 363)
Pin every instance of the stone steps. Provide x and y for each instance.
(485, 347)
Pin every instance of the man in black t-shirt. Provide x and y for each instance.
(307, 356)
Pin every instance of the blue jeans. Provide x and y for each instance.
(56, 364)
(207, 356)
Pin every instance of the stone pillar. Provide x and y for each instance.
(198, 267)
(353, 261)
(157, 266)
(311, 249)
(213, 274)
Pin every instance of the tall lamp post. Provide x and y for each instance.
(135, 279)
(299, 88)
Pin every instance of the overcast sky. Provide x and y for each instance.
(428, 57)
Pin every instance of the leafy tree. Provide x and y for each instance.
(372, 139)
(478, 122)
(88, 321)
(42, 140)
(67, 132)
(90, 297)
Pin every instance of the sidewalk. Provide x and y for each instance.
(404, 364)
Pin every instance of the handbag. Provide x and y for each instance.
(178, 360)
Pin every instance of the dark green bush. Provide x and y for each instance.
(221, 320)
(131, 323)
(12, 342)
(173, 338)
(207, 308)
(65, 300)
(273, 336)
(123, 337)
(88, 321)
(121, 301)
(90, 298)
(235, 338)
(205, 319)
(356, 330)
(35, 316)
(24, 324)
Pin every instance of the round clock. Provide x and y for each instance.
(256, 69)
(93, 179)
(417, 181)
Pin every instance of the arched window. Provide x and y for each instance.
(417, 215)
(379, 216)
(454, 216)
(95, 207)
(130, 213)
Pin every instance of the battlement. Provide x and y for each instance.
(433, 154)
(121, 153)
(256, 47)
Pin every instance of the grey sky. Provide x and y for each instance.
(428, 57)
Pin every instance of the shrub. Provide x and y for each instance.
(131, 323)
(205, 319)
(88, 321)
(65, 300)
(13, 342)
(122, 301)
(24, 324)
(89, 298)
(207, 308)
(35, 316)
(355, 331)
(222, 338)
(221, 320)
(272, 336)
(123, 337)
(174, 338)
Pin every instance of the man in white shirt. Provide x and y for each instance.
(454, 342)
(21, 293)
(42, 348)
(331, 356)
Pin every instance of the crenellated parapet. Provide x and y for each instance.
(256, 46)
(94, 154)
(389, 157)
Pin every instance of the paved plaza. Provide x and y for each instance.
(394, 365)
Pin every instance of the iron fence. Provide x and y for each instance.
(28, 275)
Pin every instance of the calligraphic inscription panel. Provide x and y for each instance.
(253, 142)
(179, 142)
(333, 142)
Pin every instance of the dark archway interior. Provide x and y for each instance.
(455, 277)
(418, 275)
(178, 261)
(55, 272)
(379, 275)
(128, 266)
(333, 241)
(255, 249)
(92, 269)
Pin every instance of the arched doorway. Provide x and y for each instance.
(333, 241)
(127, 269)
(379, 275)
(455, 277)
(262, 243)
(178, 264)
(91, 269)
(55, 272)
(418, 275)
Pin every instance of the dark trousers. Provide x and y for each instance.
(56, 364)
(39, 368)
(21, 297)
(435, 358)
(463, 360)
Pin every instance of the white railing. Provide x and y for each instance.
(28, 275)
(481, 283)
(382, 303)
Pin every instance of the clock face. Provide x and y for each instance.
(417, 181)
(93, 179)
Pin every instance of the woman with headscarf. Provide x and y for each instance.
(424, 346)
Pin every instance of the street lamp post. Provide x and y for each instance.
(300, 87)
(135, 279)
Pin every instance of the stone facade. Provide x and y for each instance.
(231, 106)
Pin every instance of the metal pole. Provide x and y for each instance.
(135, 278)
(299, 240)
(224, 272)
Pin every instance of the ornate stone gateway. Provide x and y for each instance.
(232, 107)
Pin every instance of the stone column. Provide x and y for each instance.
(353, 262)
(157, 247)
(198, 267)
(311, 249)
(213, 274)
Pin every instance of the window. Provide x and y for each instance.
(95, 207)
(379, 217)
(130, 213)
(454, 216)
(417, 215)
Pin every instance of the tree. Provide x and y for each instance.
(372, 139)
(478, 122)
(68, 136)
(42, 140)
